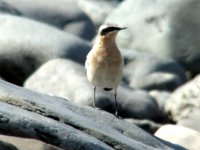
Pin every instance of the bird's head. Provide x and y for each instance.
(109, 30)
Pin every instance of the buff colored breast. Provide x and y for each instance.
(104, 65)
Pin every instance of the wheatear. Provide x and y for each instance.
(104, 62)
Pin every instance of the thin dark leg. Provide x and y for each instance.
(94, 100)
(116, 107)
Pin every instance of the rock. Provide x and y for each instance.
(180, 135)
(192, 121)
(65, 15)
(161, 97)
(137, 104)
(165, 28)
(64, 78)
(184, 100)
(147, 125)
(23, 49)
(142, 71)
(6, 8)
(19, 122)
(27, 144)
(69, 81)
(7, 146)
(89, 7)
(167, 81)
(67, 124)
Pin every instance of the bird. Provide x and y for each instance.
(104, 62)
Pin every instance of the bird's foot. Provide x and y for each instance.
(94, 106)
(117, 115)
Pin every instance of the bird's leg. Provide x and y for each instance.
(116, 107)
(94, 88)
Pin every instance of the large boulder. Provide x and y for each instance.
(26, 44)
(167, 28)
(68, 125)
(65, 15)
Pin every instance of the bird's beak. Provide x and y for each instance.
(122, 28)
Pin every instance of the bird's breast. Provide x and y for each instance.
(105, 68)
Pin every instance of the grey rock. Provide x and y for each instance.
(167, 81)
(27, 44)
(20, 122)
(6, 8)
(142, 71)
(137, 104)
(147, 125)
(26, 143)
(65, 15)
(161, 97)
(64, 78)
(67, 79)
(185, 100)
(82, 125)
(89, 7)
(166, 28)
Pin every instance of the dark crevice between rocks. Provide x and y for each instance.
(41, 111)
(46, 137)
(11, 69)
(4, 120)
(33, 107)
(7, 146)
(53, 117)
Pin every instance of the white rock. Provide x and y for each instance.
(180, 135)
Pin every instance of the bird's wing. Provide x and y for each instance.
(87, 62)
(122, 63)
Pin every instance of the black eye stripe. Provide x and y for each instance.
(109, 29)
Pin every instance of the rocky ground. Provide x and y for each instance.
(45, 97)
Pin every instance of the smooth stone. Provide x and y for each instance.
(142, 71)
(24, 49)
(62, 14)
(180, 135)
